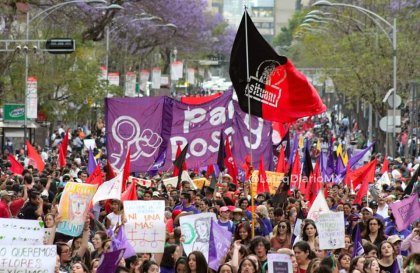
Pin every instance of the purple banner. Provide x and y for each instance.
(110, 261)
(148, 126)
(219, 244)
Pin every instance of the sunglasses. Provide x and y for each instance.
(282, 226)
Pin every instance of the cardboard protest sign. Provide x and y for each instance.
(21, 232)
(145, 227)
(89, 143)
(109, 261)
(279, 263)
(73, 207)
(273, 180)
(406, 211)
(47, 235)
(24, 258)
(330, 226)
(196, 230)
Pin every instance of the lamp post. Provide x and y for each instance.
(375, 17)
(45, 12)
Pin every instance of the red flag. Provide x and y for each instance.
(230, 163)
(16, 167)
(35, 157)
(262, 185)
(126, 171)
(130, 193)
(96, 176)
(356, 177)
(280, 168)
(314, 184)
(247, 167)
(295, 174)
(385, 165)
(367, 176)
(184, 165)
(210, 170)
(62, 151)
(110, 171)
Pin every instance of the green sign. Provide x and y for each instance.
(13, 112)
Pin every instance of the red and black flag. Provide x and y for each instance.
(180, 161)
(276, 89)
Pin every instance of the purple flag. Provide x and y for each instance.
(293, 151)
(91, 162)
(110, 261)
(149, 125)
(355, 158)
(358, 245)
(330, 162)
(119, 241)
(339, 169)
(406, 211)
(160, 161)
(323, 163)
(219, 244)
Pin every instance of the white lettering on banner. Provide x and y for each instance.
(198, 142)
(217, 116)
(257, 132)
(145, 143)
(193, 116)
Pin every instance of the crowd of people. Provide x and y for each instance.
(36, 195)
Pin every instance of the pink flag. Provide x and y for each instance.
(406, 211)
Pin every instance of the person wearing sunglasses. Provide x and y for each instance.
(282, 236)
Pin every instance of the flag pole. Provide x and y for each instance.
(249, 122)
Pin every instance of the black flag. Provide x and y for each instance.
(179, 161)
(409, 189)
(221, 154)
(276, 90)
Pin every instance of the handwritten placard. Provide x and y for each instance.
(145, 227)
(74, 204)
(21, 232)
(330, 227)
(196, 231)
(23, 258)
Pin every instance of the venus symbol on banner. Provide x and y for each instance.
(127, 132)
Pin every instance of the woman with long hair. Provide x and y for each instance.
(79, 267)
(150, 267)
(374, 232)
(260, 247)
(344, 260)
(181, 265)
(303, 254)
(196, 263)
(225, 268)
(97, 240)
(371, 265)
(116, 217)
(170, 255)
(387, 255)
(357, 264)
(282, 235)
(247, 266)
(313, 265)
(309, 234)
(243, 233)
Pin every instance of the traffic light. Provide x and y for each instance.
(60, 45)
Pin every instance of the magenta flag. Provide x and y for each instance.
(406, 211)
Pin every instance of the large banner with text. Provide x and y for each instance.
(151, 126)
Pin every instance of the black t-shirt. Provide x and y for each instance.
(28, 212)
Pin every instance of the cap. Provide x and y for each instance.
(223, 209)
(155, 194)
(373, 204)
(237, 210)
(368, 209)
(393, 239)
(6, 193)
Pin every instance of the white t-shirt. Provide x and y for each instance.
(114, 219)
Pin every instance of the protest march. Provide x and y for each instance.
(163, 185)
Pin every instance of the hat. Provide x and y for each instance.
(155, 194)
(228, 177)
(237, 210)
(6, 193)
(223, 209)
(368, 209)
(393, 239)
(66, 177)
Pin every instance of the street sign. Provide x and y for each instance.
(60, 45)
(391, 101)
(13, 112)
(387, 123)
